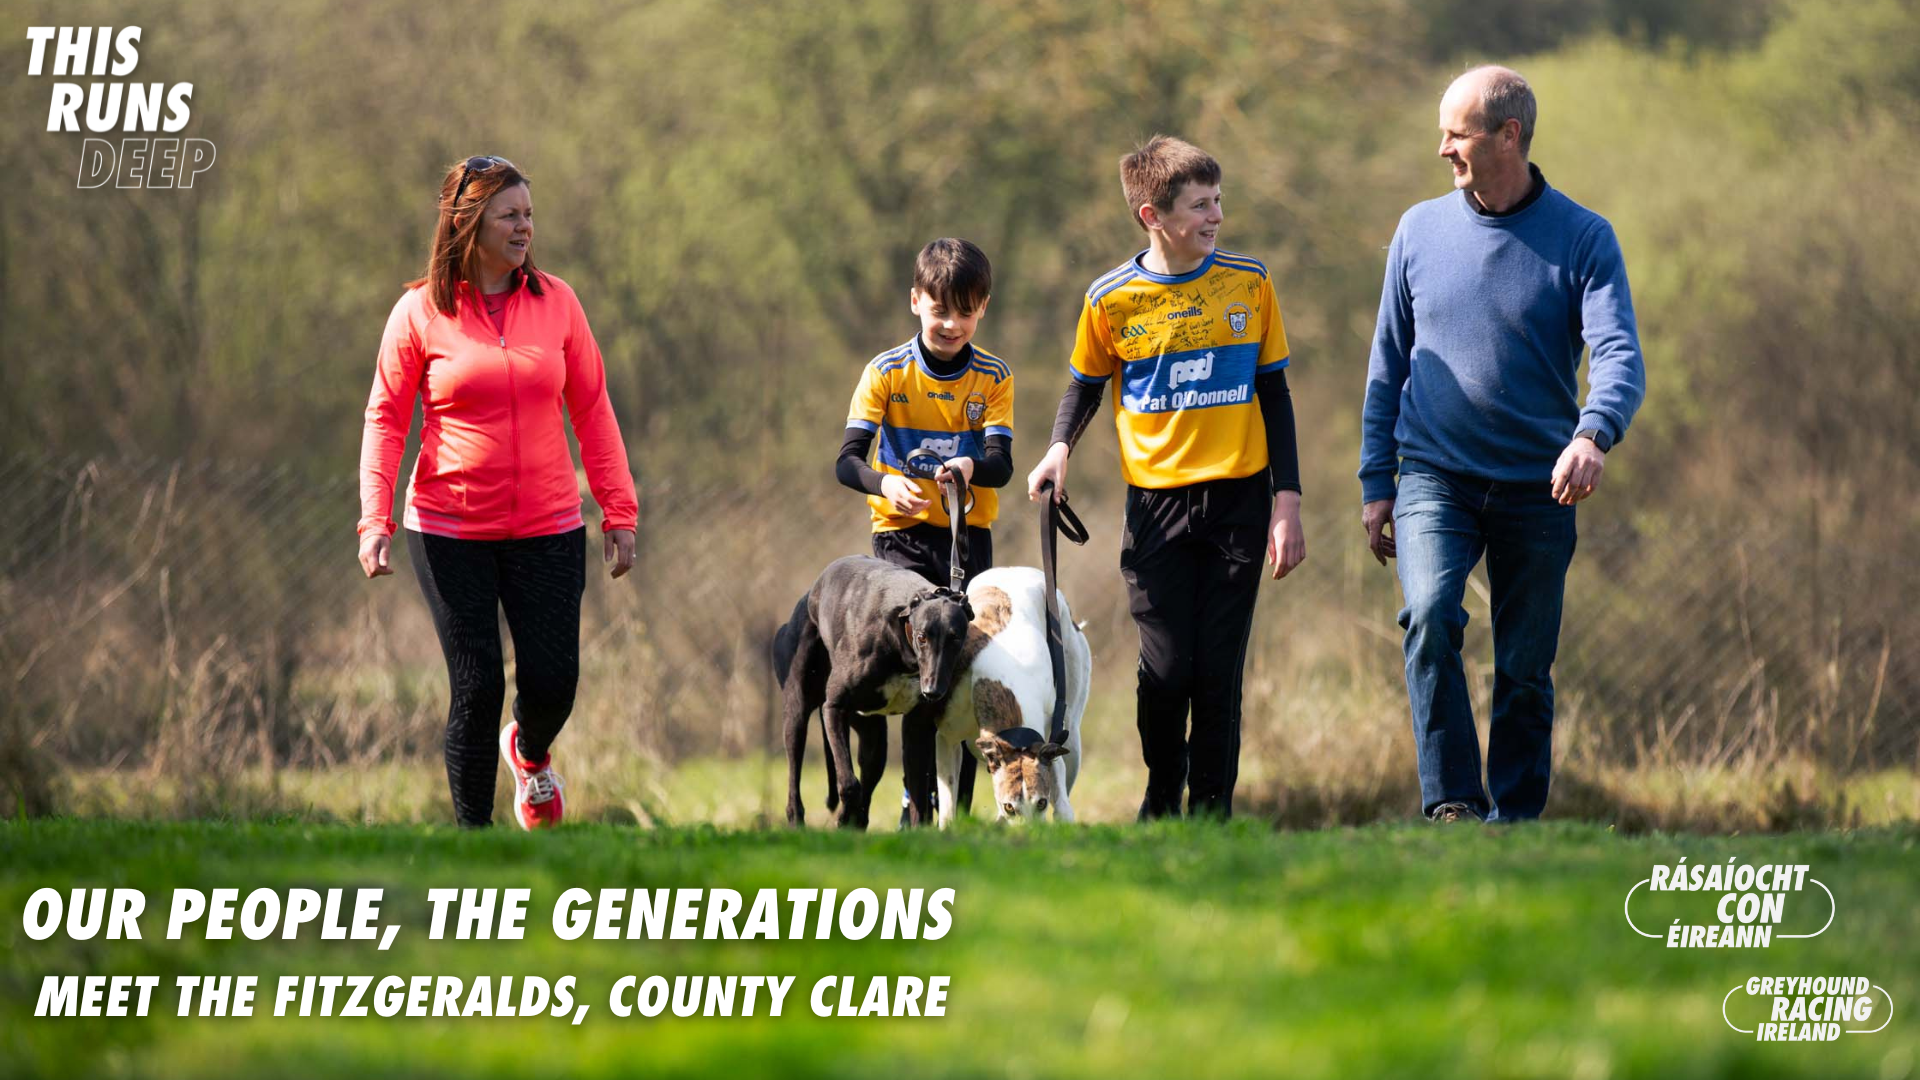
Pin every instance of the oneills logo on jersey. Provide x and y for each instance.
(976, 409)
(1237, 316)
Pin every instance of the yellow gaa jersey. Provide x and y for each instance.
(907, 407)
(1185, 348)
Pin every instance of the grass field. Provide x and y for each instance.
(1390, 951)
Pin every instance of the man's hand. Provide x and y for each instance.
(961, 465)
(616, 547)
(903, 494)
(373, 554)
(1286, 540)
(1052, 467)
(1577, 472)
(1377, 518)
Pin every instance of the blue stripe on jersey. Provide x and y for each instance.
(1191, 379)
(896, 443)
(1094, 291)
(1112, 283)
(997, 374)
(1241, 262)
(854, 421)
(893, 359)
(1085, 378)
(1275, 366)
(996, 429)
(991, 360)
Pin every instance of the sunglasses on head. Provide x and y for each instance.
(483, 163)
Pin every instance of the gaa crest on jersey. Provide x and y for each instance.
(976, 409)
(1237, 316)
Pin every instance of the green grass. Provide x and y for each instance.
(1093, 951)
(749, 790)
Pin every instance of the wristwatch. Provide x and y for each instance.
(1596, 437)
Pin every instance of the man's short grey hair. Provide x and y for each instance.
(1504, 96)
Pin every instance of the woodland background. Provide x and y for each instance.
(737, 196)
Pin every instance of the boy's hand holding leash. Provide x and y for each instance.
(1052, 467)
(961, 465)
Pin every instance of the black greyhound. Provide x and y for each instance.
(872, 730)
(870, 639)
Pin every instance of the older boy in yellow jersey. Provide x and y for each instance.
(940, 392)
(1194, 337)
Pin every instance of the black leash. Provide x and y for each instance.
(958, 502)
(1060, 520)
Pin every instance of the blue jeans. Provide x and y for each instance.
(1442, 524)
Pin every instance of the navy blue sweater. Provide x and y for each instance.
(1477, 350)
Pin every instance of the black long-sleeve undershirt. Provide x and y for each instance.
(1276, 415)
(1077, 407)
(1082, 400)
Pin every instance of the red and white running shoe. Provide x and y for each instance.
(537, 799)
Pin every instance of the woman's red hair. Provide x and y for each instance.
(454, 258)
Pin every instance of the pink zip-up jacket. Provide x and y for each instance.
(494, 462)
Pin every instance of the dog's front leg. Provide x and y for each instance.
(917, 759)
(852, 796)
(872, 757)
(946, 757)
(1062, 806)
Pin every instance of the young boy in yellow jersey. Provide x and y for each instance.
(1194, 338)
(941, 392)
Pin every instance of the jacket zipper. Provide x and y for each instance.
(513, 415)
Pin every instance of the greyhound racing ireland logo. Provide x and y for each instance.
(1801, 1009)
(976, 409)
(1751, 906)
(1237, 316)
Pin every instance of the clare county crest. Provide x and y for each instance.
(1237, 317)
(976, 409)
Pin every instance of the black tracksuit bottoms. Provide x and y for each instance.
(927, 550)
(538, 581)
(1192, 558)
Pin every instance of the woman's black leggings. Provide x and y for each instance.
(538, 580)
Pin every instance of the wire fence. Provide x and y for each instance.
(155, 612)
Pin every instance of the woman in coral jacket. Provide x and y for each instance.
(495, 350)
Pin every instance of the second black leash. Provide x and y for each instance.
(1057, 520)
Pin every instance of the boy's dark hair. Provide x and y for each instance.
(954, 272)
(1157, 170)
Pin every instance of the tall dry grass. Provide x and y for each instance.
(175, 656)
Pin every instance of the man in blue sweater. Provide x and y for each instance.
(1472, 400)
